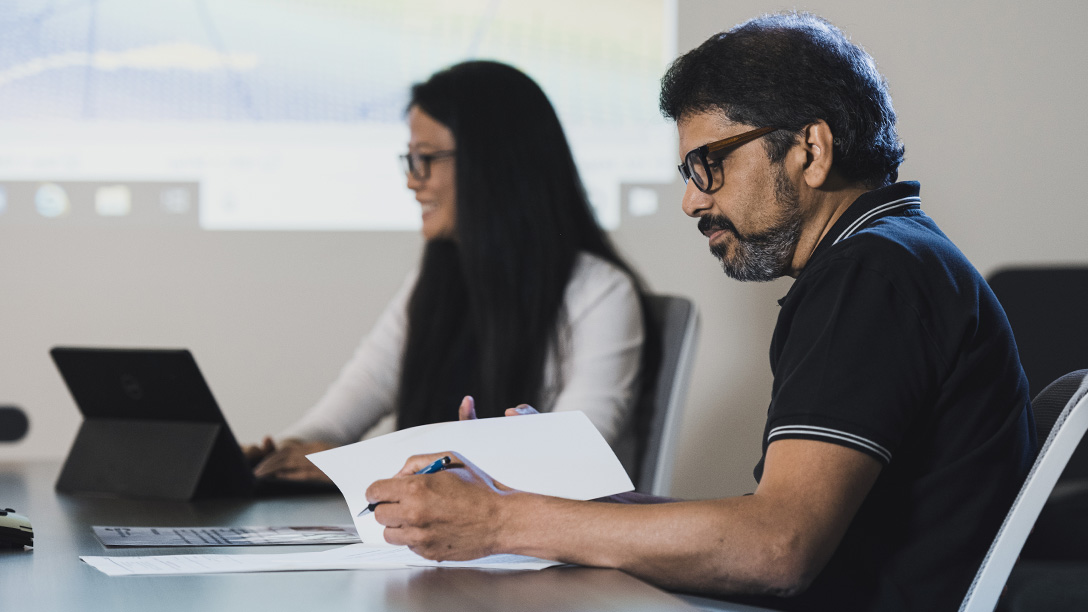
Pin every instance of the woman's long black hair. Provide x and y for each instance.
(485, 309)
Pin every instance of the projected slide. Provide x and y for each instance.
(288, 114)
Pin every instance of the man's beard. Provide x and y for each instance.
(767, 255)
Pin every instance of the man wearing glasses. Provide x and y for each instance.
(899, 428)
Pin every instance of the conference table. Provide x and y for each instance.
(50, 576)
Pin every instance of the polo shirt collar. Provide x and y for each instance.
(871, 205)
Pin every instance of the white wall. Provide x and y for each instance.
(990, 99)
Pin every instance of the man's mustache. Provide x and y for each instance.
(708, 224)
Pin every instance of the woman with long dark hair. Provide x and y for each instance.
(519, 297)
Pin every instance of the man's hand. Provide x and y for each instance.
(289, 461)
(467, 410)
(453, 515)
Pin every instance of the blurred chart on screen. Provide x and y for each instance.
(289, 114)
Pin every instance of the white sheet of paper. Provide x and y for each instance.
(560, 454)
(355, 556)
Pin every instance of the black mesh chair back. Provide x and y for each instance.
(1050, 402)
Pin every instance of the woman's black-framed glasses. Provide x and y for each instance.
(419, 164)
(699, 162)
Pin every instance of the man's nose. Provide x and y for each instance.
(695, 203)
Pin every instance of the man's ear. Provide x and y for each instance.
(817, 143)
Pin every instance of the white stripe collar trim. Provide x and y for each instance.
(861, 221)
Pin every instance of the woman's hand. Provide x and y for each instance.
(289, 461)
(521, 409)
(255, 452)
(467, 410)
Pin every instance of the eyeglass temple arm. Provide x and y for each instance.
(739, 139)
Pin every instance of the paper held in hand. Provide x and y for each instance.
(558, 453)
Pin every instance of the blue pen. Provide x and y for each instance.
(437, 466)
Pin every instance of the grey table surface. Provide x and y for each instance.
(50, 577)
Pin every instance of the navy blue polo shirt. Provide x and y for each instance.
(890, 343)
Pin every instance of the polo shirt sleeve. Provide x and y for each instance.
(854, 362)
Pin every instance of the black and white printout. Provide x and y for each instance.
(225, 536)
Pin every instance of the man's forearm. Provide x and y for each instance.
(722, 546)
(634, 497)
(772, 542)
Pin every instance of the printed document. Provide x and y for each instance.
(225, 536)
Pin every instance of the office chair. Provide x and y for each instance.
(1052, 573)
(1045, 308)
(677, 321)
(1061, 532)
(1060, 441)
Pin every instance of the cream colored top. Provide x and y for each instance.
(595, 370)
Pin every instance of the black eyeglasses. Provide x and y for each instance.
(698, 162)
(419, 164)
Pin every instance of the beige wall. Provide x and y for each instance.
(990, 99)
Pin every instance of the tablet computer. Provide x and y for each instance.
(152, 429)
